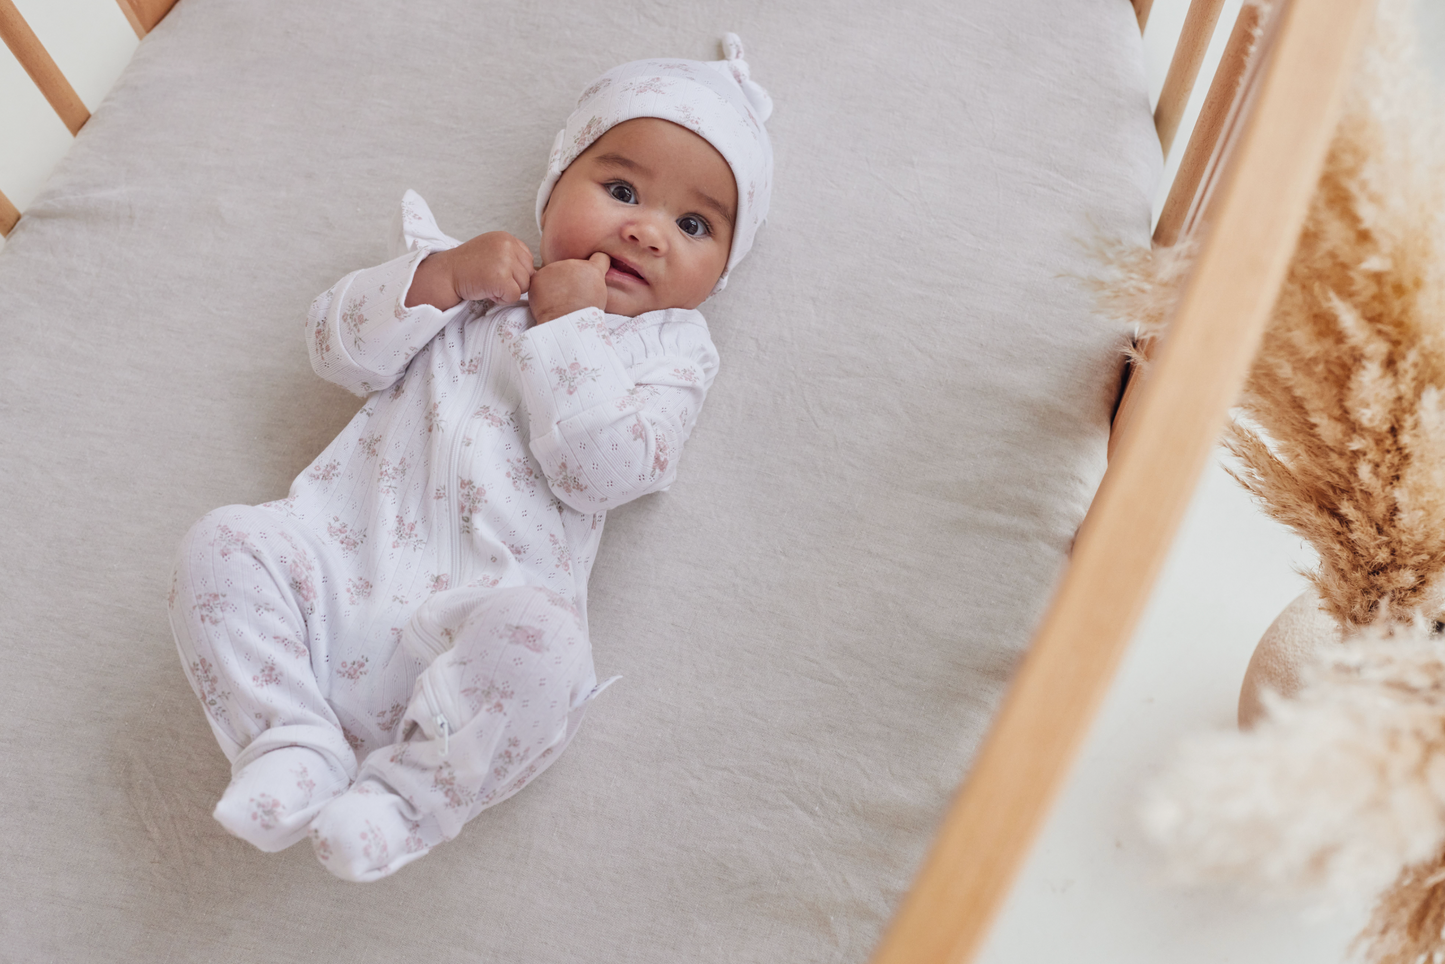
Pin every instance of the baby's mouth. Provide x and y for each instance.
(627, 270)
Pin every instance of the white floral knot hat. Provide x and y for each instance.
(716, 100)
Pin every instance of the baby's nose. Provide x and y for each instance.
(648, 233)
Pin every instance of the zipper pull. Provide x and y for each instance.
(446, 732)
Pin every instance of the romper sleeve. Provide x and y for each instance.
(360, 334)
(606, 425)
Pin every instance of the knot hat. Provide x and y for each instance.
(716, 100)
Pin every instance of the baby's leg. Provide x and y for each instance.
(245, 587)
(485, 718)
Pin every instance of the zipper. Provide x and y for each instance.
(453, 493)
(444, 713)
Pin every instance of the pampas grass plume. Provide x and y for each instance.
(1332, 793)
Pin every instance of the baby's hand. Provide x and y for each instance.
(563, 287)
(494, 266)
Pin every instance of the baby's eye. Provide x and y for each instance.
(693, 226)
(622, 191)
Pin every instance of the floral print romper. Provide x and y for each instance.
(413, 614)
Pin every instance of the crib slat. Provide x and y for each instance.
(37, 63)
(1141, 12)
(1202, 361)
(145, 14)
(9, 215)
(1208, 130)
(1184, 68)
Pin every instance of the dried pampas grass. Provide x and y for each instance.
(1345, 433)
(1336, 790)
(1341, 436)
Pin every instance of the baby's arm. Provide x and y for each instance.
(605, 429)
(363, 333)
(494, 266)
(360, 334)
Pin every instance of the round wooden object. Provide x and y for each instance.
(1291, 641)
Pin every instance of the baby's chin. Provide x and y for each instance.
(628, 303)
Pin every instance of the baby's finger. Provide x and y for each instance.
(601, 262)
(507, 290)
(522, 275)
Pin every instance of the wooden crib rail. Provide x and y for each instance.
(142, 15)
(38, 64)
(1254, 223)
(145, 14)
(1184, 68)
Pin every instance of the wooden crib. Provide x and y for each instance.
(1242, 188)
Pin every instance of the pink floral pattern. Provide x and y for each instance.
(269, 675)
(302, 574)
(488, 697)
(566, 480)
(433, 418)
(489, 415)
(387, 719)
(210, 607)
(456, 794)
(322, 337)
(470, 498)
(527, 637)
(228, 541)
(324, 473)
(373, 845)
(292, 646)
(352, 670)
(369, 443)
(389, 474)
(520, 471)
(574, 376)
(561, 552)
(353, 318)
(510, 331)
(266, 811)
(209, 682)
(304, 783)
(345, 536)
(357, 589)
(406, 535)
(510, 756)
(652, 85)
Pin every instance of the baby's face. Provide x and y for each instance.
(659, 201)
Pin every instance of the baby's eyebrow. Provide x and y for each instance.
(620, 160)
(709, 201)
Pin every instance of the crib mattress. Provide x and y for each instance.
(814, 626)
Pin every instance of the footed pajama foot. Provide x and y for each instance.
(273, 799)
(366, 834)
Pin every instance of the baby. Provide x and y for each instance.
(402, 641)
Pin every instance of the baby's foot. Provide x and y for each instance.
(272, 800)
(366, 834)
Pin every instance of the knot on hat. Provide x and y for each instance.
(737, 67)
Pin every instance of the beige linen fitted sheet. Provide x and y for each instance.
(814, 625)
